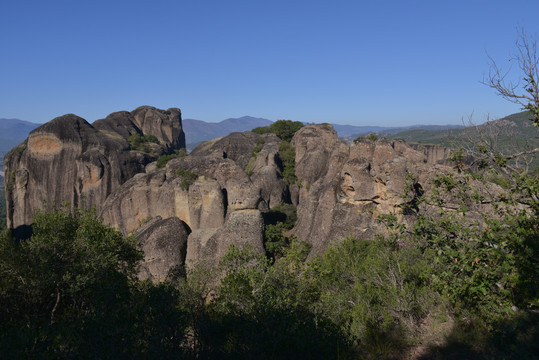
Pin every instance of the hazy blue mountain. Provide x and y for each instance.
(351, 132)
(348, 130)
(13, 132)
(198, 130)
(511, 134)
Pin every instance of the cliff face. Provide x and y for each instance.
(214, 197)
(67, 159)
(220, 206)
(346, 187)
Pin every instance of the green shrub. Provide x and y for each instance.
(187, 178)
(284, 129)
(164, 159)
(70, 291)
(287, 154)
(375, 291)
(140, 142)
(258, 147)
(261, 130)
(278, 220)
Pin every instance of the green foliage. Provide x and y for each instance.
(372, 137)
(376, 292)
(70, 292)
(263, 311)
(287, 155)
(261, 130)
(278, 220)
(141, 142)
(482, 260)
(258, 147)
(187, 178)
(164, 159)
(284, 129)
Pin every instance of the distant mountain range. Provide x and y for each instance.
(197, 131)
(13, 132)
(511, 134)
(349, 132)
(517, 129)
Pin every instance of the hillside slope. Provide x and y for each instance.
(511, 134)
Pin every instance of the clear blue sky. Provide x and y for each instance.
(349, 62)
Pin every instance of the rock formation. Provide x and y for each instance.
(222, 206)
(67, 159)
(198, 205)
(164, 243)
(345, 187)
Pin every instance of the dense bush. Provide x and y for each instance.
(284, 129)
(164, 159)
(287, 155)
(70, 292)
(278, 220)
(461, 278)
(141, 142)
(187, 178)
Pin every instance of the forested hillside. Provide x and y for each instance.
(512, 134)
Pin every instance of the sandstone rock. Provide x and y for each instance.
(236, 146)
(164, 243)
(267, 175)
(161, 194)
(166, 125)
(345, 187)
(242, 228)
(120, 124)
(67, 159)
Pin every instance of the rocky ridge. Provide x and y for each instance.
(198, 205)
(68, 159)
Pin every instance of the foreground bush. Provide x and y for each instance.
(70, 292)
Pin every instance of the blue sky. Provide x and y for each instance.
(348, 62)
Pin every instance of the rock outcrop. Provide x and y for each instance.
(197, 206)
(67, 159)
(242, 228)
(346, 187)
(164, 243)
(220, 205)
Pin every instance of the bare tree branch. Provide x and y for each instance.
(525, 91)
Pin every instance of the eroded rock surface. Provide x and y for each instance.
(346, 187)
(242, 228)
(197, 206)
(164, 243)
(68, 159)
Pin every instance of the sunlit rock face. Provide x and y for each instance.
(70, 160)
(346, 187)
(195, 207)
